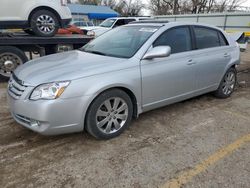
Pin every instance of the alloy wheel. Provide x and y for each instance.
(229, 83)
(46, 24)
(112, 115)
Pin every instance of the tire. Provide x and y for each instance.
(29, 31)
(50, 26)
(227, 84)
(113, 119)
(10, 59)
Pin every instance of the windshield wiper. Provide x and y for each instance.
(95, 52)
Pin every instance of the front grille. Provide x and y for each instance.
(23, 119)
(16, 87)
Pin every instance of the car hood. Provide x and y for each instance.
(66, 66)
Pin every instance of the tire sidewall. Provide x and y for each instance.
(90, 119)
(34, 26)
(219, 93)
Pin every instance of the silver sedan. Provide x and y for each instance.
(121, 74)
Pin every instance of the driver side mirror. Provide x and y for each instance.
(158, 52)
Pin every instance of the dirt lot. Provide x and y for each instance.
(202, 142)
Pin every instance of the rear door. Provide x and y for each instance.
(212, 55)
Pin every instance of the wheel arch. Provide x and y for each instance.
(128, 91)
(45, 8)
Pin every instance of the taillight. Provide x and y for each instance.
(64, 2)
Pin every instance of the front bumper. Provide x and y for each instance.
(50, 117)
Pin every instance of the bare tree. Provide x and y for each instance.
(159, 7)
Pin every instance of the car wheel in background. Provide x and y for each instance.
(227, 84)
(44, 23)
(10, 59)
(109, 114)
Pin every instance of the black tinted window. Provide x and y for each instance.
(178, 39)
(119, 23)
(206, 38)
(129, 20)
(223, 41)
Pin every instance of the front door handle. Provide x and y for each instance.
(191, 62)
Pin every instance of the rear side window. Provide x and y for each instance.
(206, 38)
(178, 39)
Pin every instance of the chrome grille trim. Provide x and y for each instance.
(16, 87)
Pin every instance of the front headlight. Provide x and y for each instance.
(49, 91)
(91, 33)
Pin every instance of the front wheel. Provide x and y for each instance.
(44, 23)
(109, 114)
(227, 84)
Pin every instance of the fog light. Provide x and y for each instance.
(34, 123)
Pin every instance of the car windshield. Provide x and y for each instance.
(107, 23)
(122, 42)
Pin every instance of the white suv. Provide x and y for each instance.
(41, 17)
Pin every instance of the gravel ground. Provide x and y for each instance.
(159, 146)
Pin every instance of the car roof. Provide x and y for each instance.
(164, 22)
(119, 18)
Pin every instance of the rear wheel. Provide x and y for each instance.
(109, 114)
(227, 84)
(44, 23)
(10, 59)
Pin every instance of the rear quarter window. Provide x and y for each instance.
(223, 40)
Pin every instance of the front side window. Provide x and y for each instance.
(119, 23)
(122, 42)
(206, 38)
(178, 39)
(127, 21)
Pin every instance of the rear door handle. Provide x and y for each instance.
(191, 62)
(226, 55)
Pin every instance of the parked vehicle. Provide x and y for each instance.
(85, 26)
(40, 17)
(111, 23)
(15, 48)
(121, 74)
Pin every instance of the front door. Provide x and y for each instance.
(165, 80)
